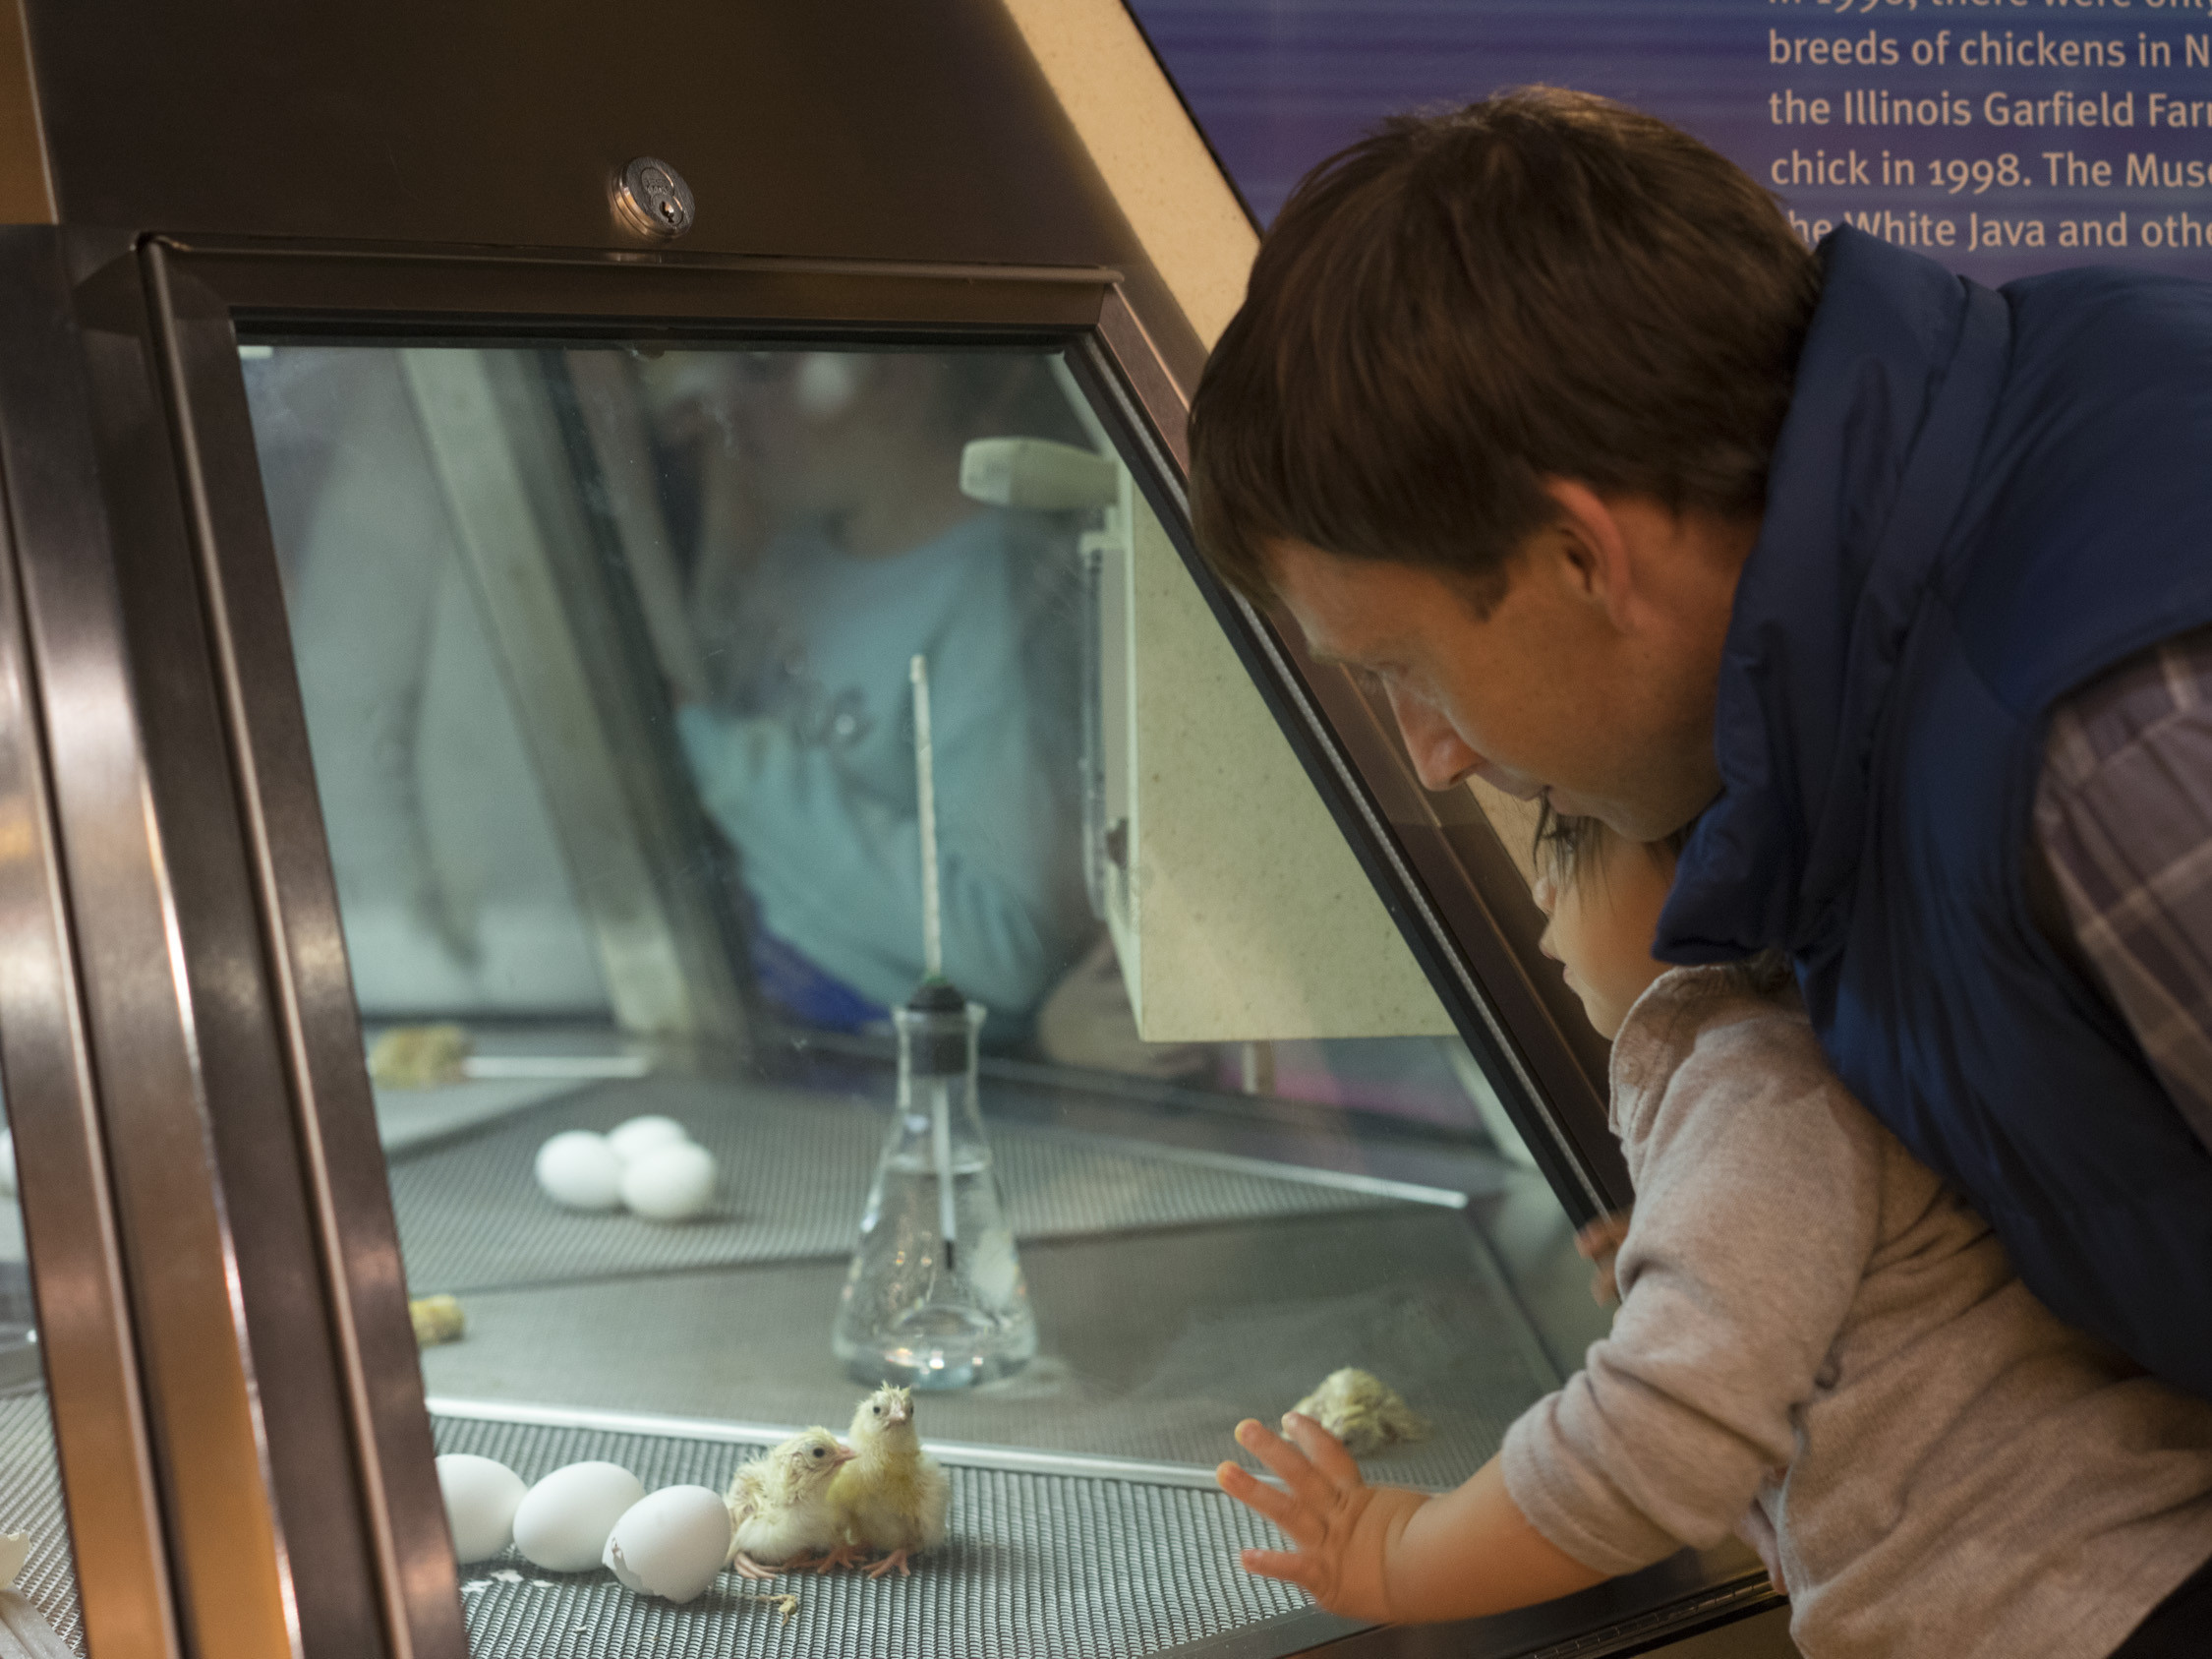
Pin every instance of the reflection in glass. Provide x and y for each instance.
(605, 655)
(452, 883)
(831, 544)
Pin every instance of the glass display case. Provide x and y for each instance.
(606, 659)
(615, 849)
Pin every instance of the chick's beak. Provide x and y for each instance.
(842, 1454)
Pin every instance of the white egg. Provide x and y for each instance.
(671, 1544)
(481, 1495)
(670, 1183)
(640, 1135)
(581, 1170)
(7, 1163)
(562, 1522)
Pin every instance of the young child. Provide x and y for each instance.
(1817, 1343)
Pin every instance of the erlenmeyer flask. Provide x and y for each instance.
(934, 1298)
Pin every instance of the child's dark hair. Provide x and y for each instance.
(1562, 846)
(1562, 840)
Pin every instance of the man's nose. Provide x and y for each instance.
(1438, 754)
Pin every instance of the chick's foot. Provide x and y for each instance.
(844, 1555)
(897, 1558)
(752, 1568)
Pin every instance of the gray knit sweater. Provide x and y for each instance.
(1818, 1341)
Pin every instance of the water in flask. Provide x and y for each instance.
(934, 1298)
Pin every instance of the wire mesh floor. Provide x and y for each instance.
(30, 1500)
(795, 1176)
(1034, 1565)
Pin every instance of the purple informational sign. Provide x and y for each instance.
(2002, 136)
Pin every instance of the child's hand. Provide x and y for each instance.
(1343, 1527)
(1599, 1243)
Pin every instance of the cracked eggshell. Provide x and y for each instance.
(671, 1183)
(562, 1522)
(641, 1135)
(672, 1543)
(14, 1549)
(481, 1497)
(581, 1170)
(7, 1163)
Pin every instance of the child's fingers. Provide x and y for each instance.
(1286, 1460)
(1605, 1289)
(1323, 1450)
(1603, 1236)
(1291, 1569)
(1298, 1522)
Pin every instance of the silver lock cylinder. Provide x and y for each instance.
(652, 200)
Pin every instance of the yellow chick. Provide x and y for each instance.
(779, 1506)
(419, 1056)
(893, 1495)
(1363, 1411)
(437, 1319)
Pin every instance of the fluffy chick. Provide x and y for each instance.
(1363, 1411)
(893, 1495)
(780, 1504)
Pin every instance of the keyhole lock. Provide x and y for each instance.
(652, 200)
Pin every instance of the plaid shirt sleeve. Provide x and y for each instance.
(2124, 817)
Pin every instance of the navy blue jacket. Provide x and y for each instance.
(1978, 501)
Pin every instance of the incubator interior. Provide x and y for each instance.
(607, 656)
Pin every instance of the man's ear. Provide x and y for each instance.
(1595, 545)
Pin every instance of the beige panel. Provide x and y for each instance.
(1143, 144)
(1255, 920)
(1245, 915)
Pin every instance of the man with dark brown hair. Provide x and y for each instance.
(1539, 414)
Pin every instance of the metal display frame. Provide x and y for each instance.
(197, 295)
(55, 951)
(204, 1156)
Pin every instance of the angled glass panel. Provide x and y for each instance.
(614, 664)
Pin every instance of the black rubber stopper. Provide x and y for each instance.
(944, 1052)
